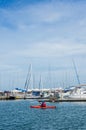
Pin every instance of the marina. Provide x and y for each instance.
(42, 64)
(73, 94)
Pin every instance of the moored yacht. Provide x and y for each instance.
(78, 93)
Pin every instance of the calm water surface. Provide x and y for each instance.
(17, 115)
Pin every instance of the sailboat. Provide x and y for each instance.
(79, 91)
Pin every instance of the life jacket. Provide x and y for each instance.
(43, 104)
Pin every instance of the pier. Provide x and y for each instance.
(43, 99)
(64, 100)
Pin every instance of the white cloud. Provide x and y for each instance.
(52, 50)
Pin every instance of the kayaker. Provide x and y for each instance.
(43, 104)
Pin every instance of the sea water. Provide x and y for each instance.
(17, 115)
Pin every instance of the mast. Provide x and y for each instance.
(33, 81)
(76, 71)
(27, 82)
(40, 83)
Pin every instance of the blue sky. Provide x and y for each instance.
(47, 34)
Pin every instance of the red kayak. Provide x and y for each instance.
(43, 107)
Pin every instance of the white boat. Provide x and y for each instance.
(78, 93)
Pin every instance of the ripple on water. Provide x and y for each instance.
(17, 115)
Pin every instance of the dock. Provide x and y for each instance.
(63, 100)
